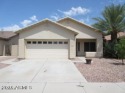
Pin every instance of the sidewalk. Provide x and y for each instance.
(62, 87)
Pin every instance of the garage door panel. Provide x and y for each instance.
(38, 46)
(47, 51)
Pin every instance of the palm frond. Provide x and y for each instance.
(113, 19)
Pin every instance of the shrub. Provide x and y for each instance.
(120, 49)
(109, 50)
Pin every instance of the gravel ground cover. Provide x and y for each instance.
(102, 70)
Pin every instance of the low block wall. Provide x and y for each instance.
(93, 54)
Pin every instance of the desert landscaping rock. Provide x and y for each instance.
(103, 70)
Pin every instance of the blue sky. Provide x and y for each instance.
(16, 14)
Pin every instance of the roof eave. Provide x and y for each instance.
(80, 23)
(45, 20)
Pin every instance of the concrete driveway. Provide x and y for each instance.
(41, 71)
(50, 76)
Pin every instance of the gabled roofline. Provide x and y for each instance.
(2, 38)
(66, 18)
(45, 20)
(13, 36)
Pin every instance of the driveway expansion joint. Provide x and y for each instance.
(44, 87)
(38, 71)
(120, 86)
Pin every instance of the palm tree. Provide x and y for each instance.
(112, 20)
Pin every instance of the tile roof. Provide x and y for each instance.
(6, 34)
(120, 34)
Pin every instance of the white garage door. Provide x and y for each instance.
(47, 49)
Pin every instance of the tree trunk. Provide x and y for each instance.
(113, 42)
(113, 36)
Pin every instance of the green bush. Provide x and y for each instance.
(109, 50)
(120, 49)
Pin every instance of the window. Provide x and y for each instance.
(78, 46)
(55, 42)
(39, 42)
(49, 42)
(89, 46)
(28, 42)
(60, 42)
(44, 42)
(65, 42)
(34, 42)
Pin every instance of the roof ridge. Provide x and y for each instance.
(77, 22)
(44, 21)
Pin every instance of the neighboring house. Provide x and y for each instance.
(8, 39)
(119, 35)
(66, 38)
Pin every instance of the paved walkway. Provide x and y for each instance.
(50, 76)
(3, 58)
(79, 60)
(62, 87)
(41, 71)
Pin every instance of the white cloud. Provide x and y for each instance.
(88, 19)
(29, 21)
(74, 11)
(116, 1)
(26, 22)
(17, 27)
(55, 17)
(85, 20)
(10, 28)
(34, 18)
(82, 20)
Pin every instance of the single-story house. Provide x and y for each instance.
(65, 38)
(8, 42)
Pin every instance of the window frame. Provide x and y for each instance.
(34, 42)
(89, 47)
(65, 42)
(55, 42)
(44, 42)
(49, 42)
(28, 42)
(39, 42)
(60, 42)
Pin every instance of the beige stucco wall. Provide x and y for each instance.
(46, 31)
(14, 50)
(21, 53)
(2, 45)
(6, 46)
(72, 48)
(13, 40)
(13, 45)
(86, 33)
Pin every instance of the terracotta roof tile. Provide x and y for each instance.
(120, 34)
(6, 34)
